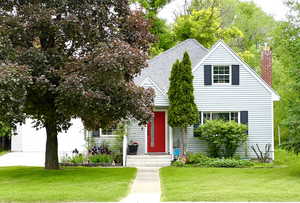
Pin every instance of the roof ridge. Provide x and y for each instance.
(178, 45)
(199, 44)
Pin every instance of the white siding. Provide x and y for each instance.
(110, 140)
(249, 96)
(161, 98)
(136, 133)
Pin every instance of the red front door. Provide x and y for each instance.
(156, 140)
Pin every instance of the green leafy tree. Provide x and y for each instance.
(164, 37)
(227, 9)
(72, 59)
(152, 6)
(287, 49)
(182, 110)
(244, 16)
(5, 130)
(204, 26)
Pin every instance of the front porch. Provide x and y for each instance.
(155, 142)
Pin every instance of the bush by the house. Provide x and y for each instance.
(101, 158)
(201, 160)
(102, 149)
(178, 163)
(196, 158)
(223, 138)
(117, 157)
(96, 156)
(263, 156)
(74, 159)
(227, 163)
(78, 158)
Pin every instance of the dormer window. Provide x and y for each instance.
(221, 74)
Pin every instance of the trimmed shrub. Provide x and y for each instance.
(75, 159)
(228, 163)
(195, 158)
(117, 157)
(201, 160)
(178, 163)
(223, 137)
(101, 158)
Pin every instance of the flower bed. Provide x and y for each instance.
(96, 156)
(201, 160)
(92, 160)
(92, 164)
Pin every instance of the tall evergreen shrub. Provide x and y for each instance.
(182, 108)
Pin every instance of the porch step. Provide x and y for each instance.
(148, 160)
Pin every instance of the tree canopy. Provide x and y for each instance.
(204, 26)
(287, 49)
(72, 59)
(164, 37)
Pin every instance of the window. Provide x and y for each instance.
(234, 116)
(221, 116)
(95, 133)
(221, 74)
(226, 116)
(206, 116)
(109, 131)
(103, 132)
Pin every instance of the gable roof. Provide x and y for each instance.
(275, 96)
(160, 67)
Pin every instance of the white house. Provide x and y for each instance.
(224, 86)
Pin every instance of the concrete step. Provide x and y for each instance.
(148, 160)
(148, 165)
(149, 157)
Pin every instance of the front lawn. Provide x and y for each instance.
(2, 152)
(29, 184)
(281, 183)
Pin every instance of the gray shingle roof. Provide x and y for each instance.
(160, 67)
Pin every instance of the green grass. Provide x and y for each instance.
(280, 183)
(2, 152)
(35, 184)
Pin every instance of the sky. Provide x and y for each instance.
(276, 8)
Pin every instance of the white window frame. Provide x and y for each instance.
(101, 134)
(230, 74)
(211, 112)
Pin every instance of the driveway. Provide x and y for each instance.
(23, 159)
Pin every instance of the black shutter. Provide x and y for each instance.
(235, 79)
(207, 75)
(244, 118)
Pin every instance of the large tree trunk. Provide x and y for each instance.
(182, 143)
(51, 161)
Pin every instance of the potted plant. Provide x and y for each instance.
(132, 148)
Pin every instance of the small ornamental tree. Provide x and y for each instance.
(65, 59)
(182, 110)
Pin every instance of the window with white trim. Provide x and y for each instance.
(226, 116)
(103, 132)
(221, 74)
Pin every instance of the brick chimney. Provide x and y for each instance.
(266, 65)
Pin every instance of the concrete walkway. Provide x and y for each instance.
(22, 159)
(146, 186)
